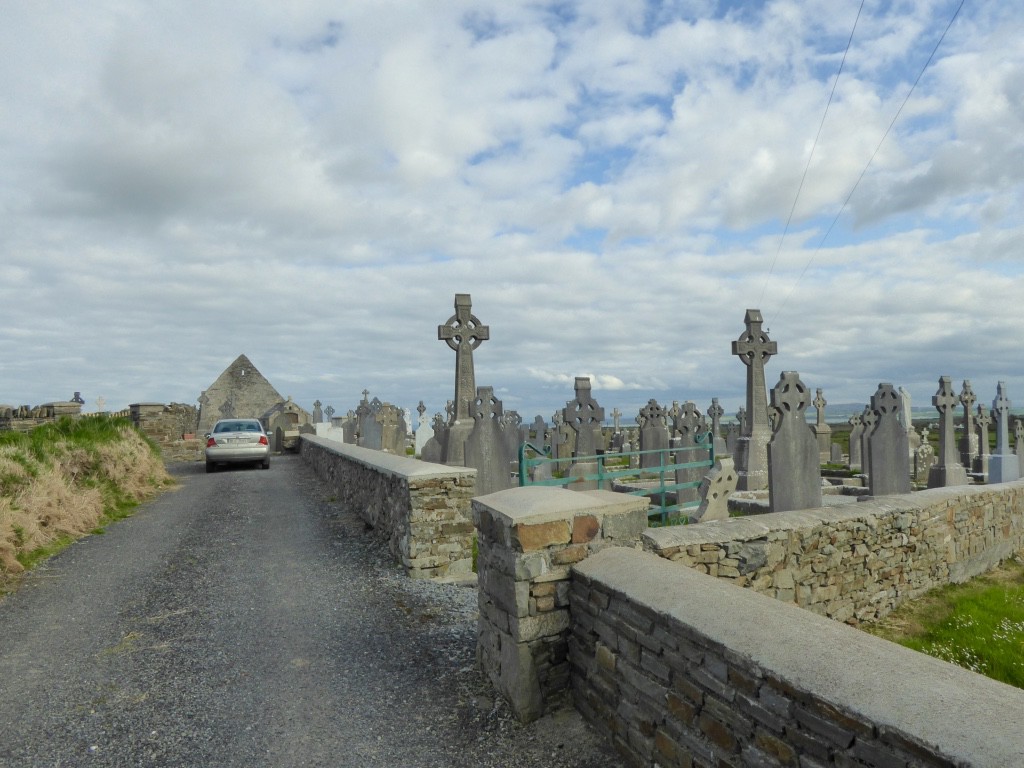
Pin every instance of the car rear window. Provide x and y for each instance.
(237, 426)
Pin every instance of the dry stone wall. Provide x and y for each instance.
(857, 562)
(422, 509)
(528, 540)
(681, 669)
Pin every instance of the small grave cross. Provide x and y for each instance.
(819, 404)
(754, 348)
(584, 416)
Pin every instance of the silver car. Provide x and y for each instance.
(235, 441)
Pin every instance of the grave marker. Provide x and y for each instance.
(754, 348)
(947, 470)
(463, 333)
(794, 465)
(983, 421)
(1003, 466)
(969, 438)
(888, 456)
(485, 448)
(822, 431)
(653, 433)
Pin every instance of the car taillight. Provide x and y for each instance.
(263, 440)
(211, 443)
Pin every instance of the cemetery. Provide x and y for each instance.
(691, 586)
(720, 642)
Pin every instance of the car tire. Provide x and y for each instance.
(265, 464)
(210, 466)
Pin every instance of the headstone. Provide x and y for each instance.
(616, 419)
(392, 428)
(318, 415)
(715, 413)
(433, 448)
(732, 436)
(741, 419)
(754, 348)
(539, 431)
(463, 333)
(371, 432)
(869, 419)
(350, 428)
(887, 457)
(423, 429)
(511, 423)
(856, 432)
(836, 454)
(1003, 466)
(485, 448)
(794, 465)
(560, 438)
(653, 433)
(1019, 430)
(969, 438)
(691, 430)
(947, 470)
(924, 460)
(983, 421)
(715, 489)
(329, 410)
(584, 416)
(822, 431)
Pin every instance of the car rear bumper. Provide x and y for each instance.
(226, 453)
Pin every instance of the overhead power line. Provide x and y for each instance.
(871, 159)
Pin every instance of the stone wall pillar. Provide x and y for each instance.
(528, 540)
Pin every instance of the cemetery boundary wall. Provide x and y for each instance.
(859, 561)
(422, 509)
(682, 669)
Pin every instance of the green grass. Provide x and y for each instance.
(978, 625)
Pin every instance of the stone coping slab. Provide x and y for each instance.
(964, 715)
(759, 526)
(541, 504)
(388, 463)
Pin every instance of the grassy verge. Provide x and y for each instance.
(978, 625)
(68, 479)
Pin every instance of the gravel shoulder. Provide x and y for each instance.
(246, 619)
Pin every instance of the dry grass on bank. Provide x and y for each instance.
(65, 480)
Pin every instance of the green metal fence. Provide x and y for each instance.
(656, 481)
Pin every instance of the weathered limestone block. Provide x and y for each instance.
(528, 540)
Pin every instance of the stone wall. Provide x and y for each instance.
(681, 669)
(171, 427)
(422, 509)
(859, 561)
(528, 539)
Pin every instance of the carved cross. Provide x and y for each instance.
(651, 414)
(616, 417)
(945, 400)
(754, 348)
(790, 395)
(716, 412)
(819, 404)
(689, 422)
(584, 416)
(741, 419)
(967, 400)
(463, 333)
(1001, 413)
(329, 410)
(486, 405)
(421, 409)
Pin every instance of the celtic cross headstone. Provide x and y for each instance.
(947, 470)
(463, 333)
(888, 454)
(1003, 465)
(969, 439)
(585, 417)
(754, 348)
(983, 420)
(794, 471)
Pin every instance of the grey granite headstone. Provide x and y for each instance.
(463, 333)
(423, 429)
(1003, 466)
(653, 433)
(794, 466)
(318, 415)
(1018, 425)
(715, 413)
(485, 448)
(983, 421)
(947, 470)
(835, 454)
(584, 416)
(715, 489)
(691, 429)
(869, 419)
(888, 458)
(857, 423)
(822, 431)
(754, 348)
(511, 433)
(969, 438)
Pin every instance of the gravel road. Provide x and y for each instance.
(244, 619)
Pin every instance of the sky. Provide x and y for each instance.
(614, 184)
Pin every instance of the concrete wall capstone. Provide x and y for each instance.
(857, 562)
(422, 509)
(682, 669)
